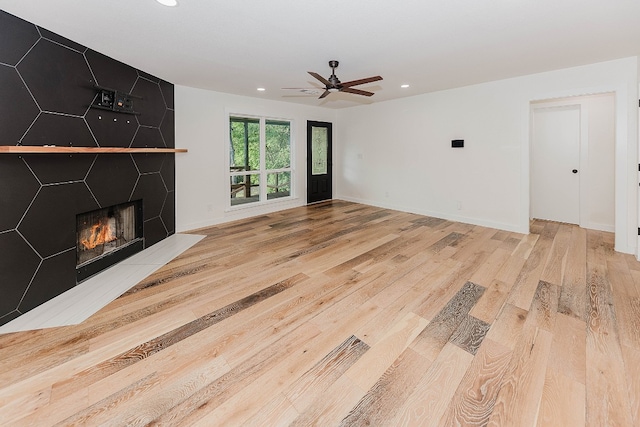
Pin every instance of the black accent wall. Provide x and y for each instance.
(47, 84)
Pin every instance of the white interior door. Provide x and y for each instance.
(555, 164)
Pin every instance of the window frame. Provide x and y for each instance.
(262, 172)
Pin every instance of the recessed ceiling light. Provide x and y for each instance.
(261, 89)
(170, 3)
(404, 86)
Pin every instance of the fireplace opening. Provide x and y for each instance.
(107, 236)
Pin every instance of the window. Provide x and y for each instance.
(259, 159)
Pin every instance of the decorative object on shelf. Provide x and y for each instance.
(114, 100)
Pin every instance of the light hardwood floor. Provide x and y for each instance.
(346, 314)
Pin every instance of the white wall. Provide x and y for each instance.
(202, 181)
(601, 160)
(397, 154)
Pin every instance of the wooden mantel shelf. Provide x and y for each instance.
(50, 149)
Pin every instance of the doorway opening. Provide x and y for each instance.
(572, 161)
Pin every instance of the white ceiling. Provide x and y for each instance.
(236, 46)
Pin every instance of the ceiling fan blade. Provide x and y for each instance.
(361, 81)
(326, 92)
(319, 77)
(356, 91)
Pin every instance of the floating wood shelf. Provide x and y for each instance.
(28, 149)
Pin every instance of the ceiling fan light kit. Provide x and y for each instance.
(169, 3)
(333, 83)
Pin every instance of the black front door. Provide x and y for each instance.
(319, 162)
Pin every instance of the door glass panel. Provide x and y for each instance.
(319, 146)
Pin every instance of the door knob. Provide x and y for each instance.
(575, 171)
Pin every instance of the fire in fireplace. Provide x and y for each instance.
(107, 236)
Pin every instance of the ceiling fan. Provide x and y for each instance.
(333, 84)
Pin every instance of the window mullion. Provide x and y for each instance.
(263, 159)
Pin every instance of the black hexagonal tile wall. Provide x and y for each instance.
(112, 129)
(17, 108)
(61, 40)
(110, 73)
(148, 163)
(112, 178)
(168, 214)
(17, 38)
(60, 167)
(58, 77)
(167, 92)
(147, 190)
(168, 172)
(151, 107)
(55, 276)
(69, 131)
(18, 187)
(154, 231)
(148, 137)
(17, 264)
(9, 316)
(168, 130)
(148, 76)
(53, 215)
(40, 195)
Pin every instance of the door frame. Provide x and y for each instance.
(571, 102)
(329, 127)
(626, 193)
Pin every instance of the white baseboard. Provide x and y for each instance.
(444, 215)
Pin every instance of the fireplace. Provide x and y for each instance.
(49, 82)
(107, 236)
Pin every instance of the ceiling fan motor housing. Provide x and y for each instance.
(333, 79)
(335, 82)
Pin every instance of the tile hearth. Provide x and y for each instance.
(85, 299)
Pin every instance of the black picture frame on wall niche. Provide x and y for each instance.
(114, 100)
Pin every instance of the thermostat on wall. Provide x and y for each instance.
(457, 143)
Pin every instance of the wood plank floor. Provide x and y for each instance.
(346, 314)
